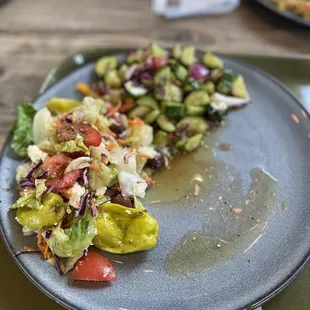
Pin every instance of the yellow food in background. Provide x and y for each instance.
(300, 7)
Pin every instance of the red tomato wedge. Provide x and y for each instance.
(91, 136)
(159, 61)
(93, 267)
(64, 181)
(56, 165)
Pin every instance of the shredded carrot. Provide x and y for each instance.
(95, 167)
(237, 210)
(43, 246)
(111, 146)
(130, 149)
(56, 124)
(146, 156)
(135, 122)
(148, 180)
(121, 141)
(113, 109)
(30, 249)
(85, 90)
(178, 83)
(127, 105)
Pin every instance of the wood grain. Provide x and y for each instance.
(36, 34)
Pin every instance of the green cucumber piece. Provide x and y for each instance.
(197, 98)
(190, 84)
(165, 124)
(212, 61)
(195, 124)
(209, 87)
(169, 92)
(216, 75)
(134, 57)
(156, 50)
(195, 111)
(139, 111)
(239, 88)
(152, 116)
(162, 76)
(112, 79)
(173, 109)
(161, 139)
(135, 90)
(176, 51)
(188, 55)
(147, 101)
(122, 71)
(104, 64)
(190, 144)
(181, 72)
(225, 84)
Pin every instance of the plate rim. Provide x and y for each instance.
(256, 303)
(285, 13)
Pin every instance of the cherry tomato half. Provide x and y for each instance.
(93, 267)
(159, 61)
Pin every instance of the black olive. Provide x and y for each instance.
(117, 129)
(156, 163)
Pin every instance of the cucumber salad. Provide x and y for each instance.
(90, 162)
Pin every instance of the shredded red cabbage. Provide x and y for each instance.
(43, 174)
(68, 119)
(83, 202)
(48, 233)
(92, 207)
(58, 266)
(28, 181)
(199, 71)
(126, 157)
(85, 179)
(50, 189)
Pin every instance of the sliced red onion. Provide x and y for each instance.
(43, 174)
(48, 233)
(130, 72)
(85, 179)
(83, 202)
(92, 207)
(58, 266)
(127, 157)
(198, 71)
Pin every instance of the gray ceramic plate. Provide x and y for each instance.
(209, 256)
(284, 13)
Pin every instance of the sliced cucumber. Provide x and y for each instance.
(161, 139)
(165, 124)
(140, 112)
(225, 84)
(188, 55)
(169, 92)
(239, 88)
(152, 116)
(197, 98)
(190, 144)
(135, 90)
(212, 61)
(216, 75)
(134, 57)
(104, 64)
(181, 72)
(195, 111)
(173, 109)
(156, 50)
(176, 51)
(122, 71)
(209, 87)
(148, 101)
(112, 79)
(190, 84)
(195, 124)
(162, 76)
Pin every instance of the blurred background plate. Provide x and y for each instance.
(284, 13)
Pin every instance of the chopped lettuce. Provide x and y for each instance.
(76, 192)
(124, 159)
(141, 136)
(42, 128)
(24, 201)
(35, 154)
(78, 163)
(73, 146)
(22, 171)
(22, 130)
(72, 241)
(40, 187)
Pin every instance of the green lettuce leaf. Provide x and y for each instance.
(72, 241)
(40, 187)
(73, 146)
(24, 201)
(22, 130)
